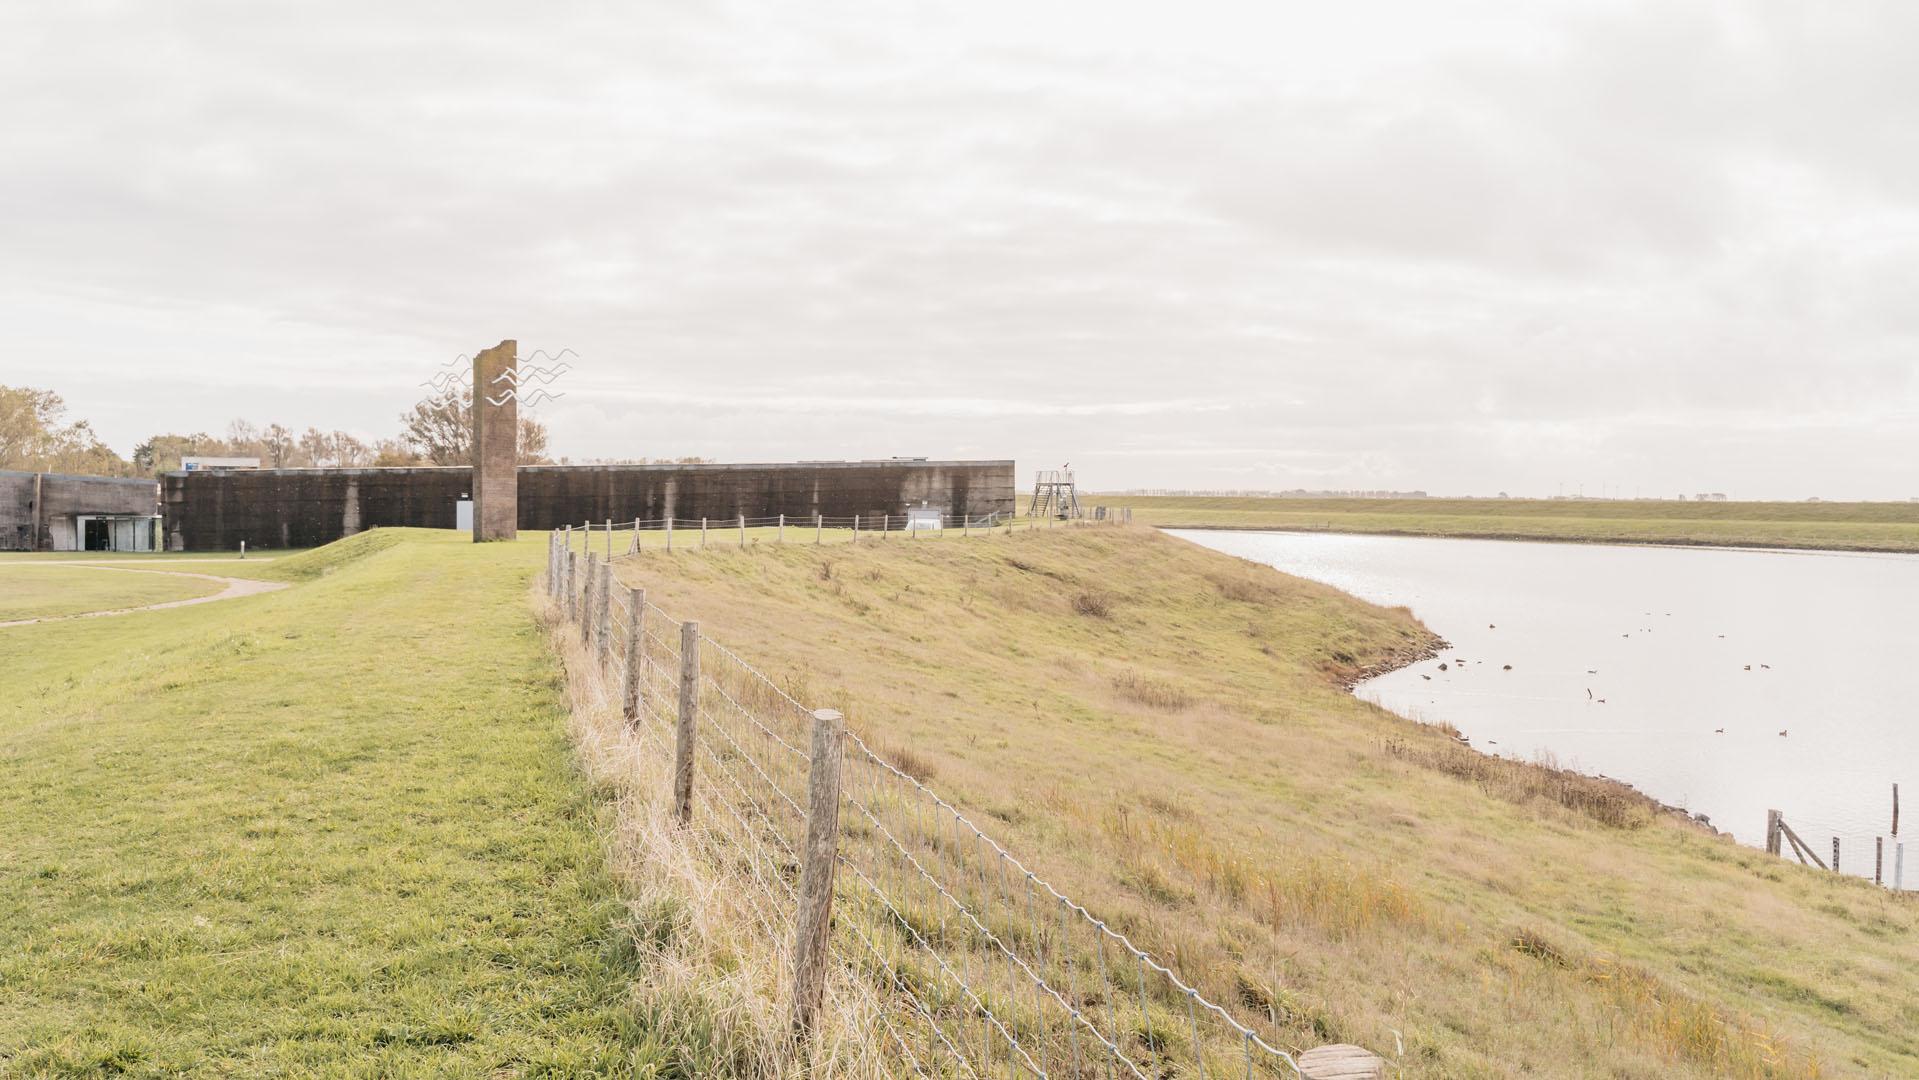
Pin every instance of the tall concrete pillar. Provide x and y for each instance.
(496, 444)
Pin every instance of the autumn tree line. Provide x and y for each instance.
(36, 436)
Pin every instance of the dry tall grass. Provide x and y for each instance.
(716, 990)
(1343, 874)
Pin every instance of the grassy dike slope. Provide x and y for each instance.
(1836, 526)
(332, 830)
(1164, 731)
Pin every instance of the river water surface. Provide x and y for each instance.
(1627, 661)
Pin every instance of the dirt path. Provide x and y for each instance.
(235, 588)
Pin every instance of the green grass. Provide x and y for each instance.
(1838, 526)
(329, 831)
(1163, 731)
(29, 591)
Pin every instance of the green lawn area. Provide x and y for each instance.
(334, 830)
(40, 591)
(1887, 526)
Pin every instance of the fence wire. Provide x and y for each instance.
(980, 966)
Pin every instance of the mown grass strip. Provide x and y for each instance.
(334, 830)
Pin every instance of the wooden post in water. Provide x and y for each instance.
(817, 860)
(635, 654)
(688, 730)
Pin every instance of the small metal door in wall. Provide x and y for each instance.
(463, 516)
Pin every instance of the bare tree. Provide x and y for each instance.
(440, 430)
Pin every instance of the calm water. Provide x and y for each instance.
(1627, 660)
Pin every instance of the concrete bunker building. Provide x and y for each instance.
(57, 512)
(217, 510)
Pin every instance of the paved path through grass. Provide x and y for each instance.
(71, 603)
(330, 831)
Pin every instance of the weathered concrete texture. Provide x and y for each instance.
(38, 510)
(496, 443)
(307, 507)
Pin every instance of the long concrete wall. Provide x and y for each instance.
(309, 507)
(61, 499)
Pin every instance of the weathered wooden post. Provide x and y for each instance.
(742, 532)
(669, 534)
(1899, 866)
(1895, 813)
(819, 528)
(635, 654)
(1879, 860)
(856, 528)
(572, 589)
(587, 622)
(1835, 854)
(1341, 1063)
(886, 526)
(818, 857)
(688, 730)
(1772, 832)
(702, 534)
(782, 528)
(609, 539)
(605, 634)
(634, 547)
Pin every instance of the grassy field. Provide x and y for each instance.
(29, 591)
(1838, 526)
(1164, 731)
(331, 831)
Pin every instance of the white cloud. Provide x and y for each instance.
(1463, 246)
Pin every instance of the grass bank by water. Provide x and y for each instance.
(1834, 526)
(334, 830)
(1163, 730)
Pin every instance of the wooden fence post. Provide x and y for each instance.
(702, 534)
(819, 528)
(1835, 854)
(1899, 866)
(634, 547)
(1879, 860)
(856, 528)
(742, 532)
(635, 654)
(572, 589)
(609, 539)
(818, 858)
(1895, 813)
(1772, 832)
(782, 528)
(605, 635)
(688, 731)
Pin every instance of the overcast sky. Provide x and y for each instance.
(1644, 247)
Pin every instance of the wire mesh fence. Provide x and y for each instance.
(613, 538)
(973, 962)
